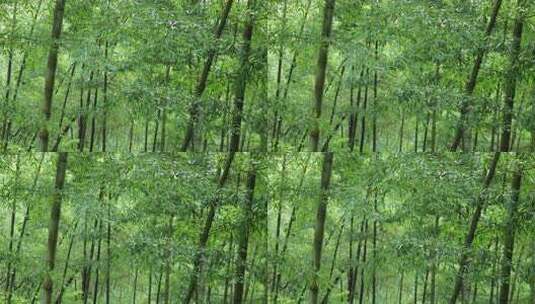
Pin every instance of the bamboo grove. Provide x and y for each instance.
(108, 245)
(402, 76)
(268, 228)
(303, 75)
(267, 151)
(403, 228)
(131, 75)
